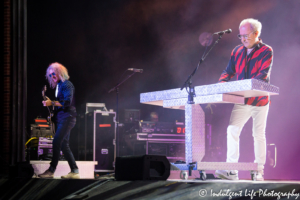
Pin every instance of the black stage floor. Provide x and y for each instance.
(108, 188)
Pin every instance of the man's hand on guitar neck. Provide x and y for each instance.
(48, 102)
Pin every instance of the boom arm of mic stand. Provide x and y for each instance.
(216, 42)
(201, 61)
(187, 82)
(114, 88)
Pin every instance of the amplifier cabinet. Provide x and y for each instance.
(170, 145)
(37, 152)
(172, 150)
(104, 148)
(40, 131)
(41, 149)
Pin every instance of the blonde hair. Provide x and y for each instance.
(59, 70)
(254, 23)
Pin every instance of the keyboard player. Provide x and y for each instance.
(252, 59)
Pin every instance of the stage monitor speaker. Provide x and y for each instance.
(21, 170)
(142, 167)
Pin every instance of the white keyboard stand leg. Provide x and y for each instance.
(194, 133)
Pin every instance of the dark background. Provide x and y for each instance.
(98, 40)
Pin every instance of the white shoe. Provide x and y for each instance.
(227, 174)
(71, 175)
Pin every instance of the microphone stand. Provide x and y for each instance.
(116, 88)
(191, 90)
(188, 82)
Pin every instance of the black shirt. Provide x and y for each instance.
(65, 96)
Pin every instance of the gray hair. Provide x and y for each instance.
(254, 23)
(59, 70)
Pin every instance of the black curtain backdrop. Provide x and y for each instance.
(98, 40)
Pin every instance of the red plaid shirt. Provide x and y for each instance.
(255, 65)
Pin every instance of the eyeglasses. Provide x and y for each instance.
(53, 74)
(246, 36)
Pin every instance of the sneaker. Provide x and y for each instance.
(257, 176)
(46, 174)
(227, 174)
(71, 175)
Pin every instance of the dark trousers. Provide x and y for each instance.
(61, 142)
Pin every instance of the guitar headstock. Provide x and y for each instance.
(43, 92)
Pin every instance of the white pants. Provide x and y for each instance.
(239, 116)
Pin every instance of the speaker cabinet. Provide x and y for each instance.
(142, 167)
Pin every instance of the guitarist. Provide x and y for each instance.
(65, 111)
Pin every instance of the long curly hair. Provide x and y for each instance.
(59, 70)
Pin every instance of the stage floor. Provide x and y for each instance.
(105, 187)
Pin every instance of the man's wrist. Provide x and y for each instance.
(53, 103)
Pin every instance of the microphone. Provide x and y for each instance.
(135, 70)
(223, 32)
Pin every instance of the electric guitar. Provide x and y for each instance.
(52, 126)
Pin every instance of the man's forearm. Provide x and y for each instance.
(56, 103)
